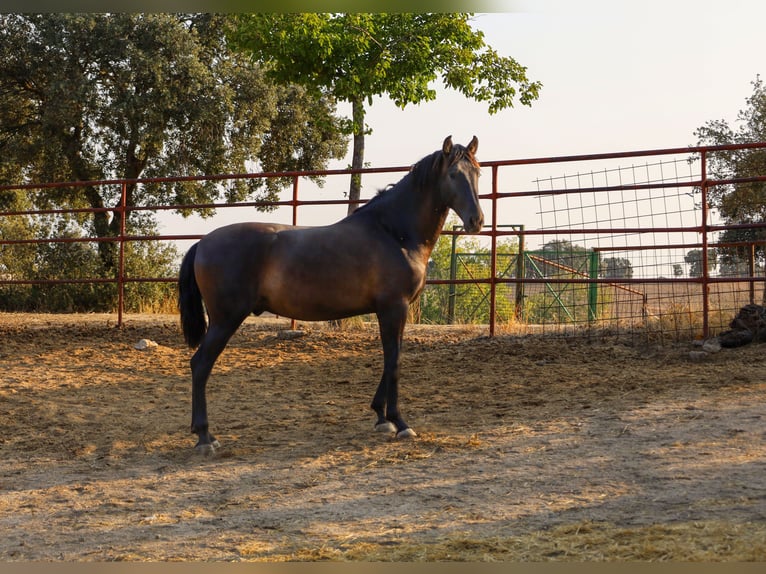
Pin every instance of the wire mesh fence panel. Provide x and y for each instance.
(631, 249)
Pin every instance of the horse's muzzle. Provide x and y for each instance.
(474, 223)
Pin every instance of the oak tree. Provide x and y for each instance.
(98, 96)
(743, 202)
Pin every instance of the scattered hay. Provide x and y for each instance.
(709, 541)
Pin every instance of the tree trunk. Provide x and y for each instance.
(357, 161)
(102, 228)
(81, 171)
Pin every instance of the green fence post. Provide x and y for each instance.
(520, 276)
(452, 276)
(593, 287)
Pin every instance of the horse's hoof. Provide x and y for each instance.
(208, 449)
(406, 433)
(385, 427)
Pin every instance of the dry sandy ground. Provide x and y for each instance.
(529, 448)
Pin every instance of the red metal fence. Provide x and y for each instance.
(631, 205)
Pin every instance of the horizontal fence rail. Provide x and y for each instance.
(584, 216)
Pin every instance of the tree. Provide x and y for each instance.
(741, 203)
(617, 268)
(357, 56)
(694, 259)
(16, 260)
(562, 258)
(730, 264)
(98, 96)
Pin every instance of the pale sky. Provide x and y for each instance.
(616, 75)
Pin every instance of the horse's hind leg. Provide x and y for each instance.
(202, 362)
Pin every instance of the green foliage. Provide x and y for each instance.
(360, 55)
(72, 258)
(16, 260)
(150, 259)
(92, 96)
(561, 303)
(617, 268)
(741, 202)
(355, 56)
(558, 302)
(734, 262)
(99, 96)
(561, 256)
(96, 96)
(470, 302)
(694, 259)
(542, 302)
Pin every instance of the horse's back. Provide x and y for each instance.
(233, 246)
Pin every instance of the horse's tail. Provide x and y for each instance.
(190, 301)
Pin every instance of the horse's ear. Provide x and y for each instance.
(447, 145)
(473, 146)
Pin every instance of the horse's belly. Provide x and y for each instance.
(314, 296)
(314, 275)
(318, 304)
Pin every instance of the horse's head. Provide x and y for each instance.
(459, 186)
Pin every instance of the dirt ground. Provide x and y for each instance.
(528, 447)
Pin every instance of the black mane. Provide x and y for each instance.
(425, 171)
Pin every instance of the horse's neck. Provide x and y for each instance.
(418, 217)
(412, 216)
(433, 226)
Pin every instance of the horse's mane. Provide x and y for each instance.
(432, 167)
(422, 174)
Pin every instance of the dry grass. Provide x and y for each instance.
(708, 541)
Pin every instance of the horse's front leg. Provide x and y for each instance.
(386, 400)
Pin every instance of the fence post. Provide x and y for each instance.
(521, 274)
(121, 265)
(493, 256)
(452, 293)
(593, 287)
(751, 270)
(704, 231)
(294, 202)
(293, 323)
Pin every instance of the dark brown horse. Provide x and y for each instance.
(373, 261)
